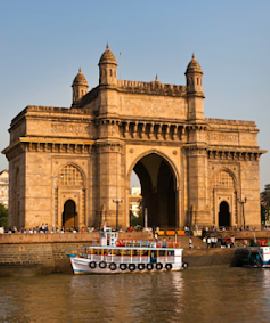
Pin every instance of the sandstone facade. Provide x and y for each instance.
(72, 166)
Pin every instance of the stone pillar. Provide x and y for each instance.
(197, 188)
(110, 183)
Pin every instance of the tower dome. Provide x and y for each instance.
(80, 87)
(107, 68)
(195, 93)
(193, 65)
(80, 79)
(194, 75)
(107, 57)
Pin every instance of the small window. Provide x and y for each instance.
(111, 73)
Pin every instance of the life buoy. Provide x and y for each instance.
(123, 266)
(141, 266)
(102, 264)
(150, 266)
(184, 265)
(168, 266)
(159, 266)
(112, 266)
(92, 264)
(131, 267)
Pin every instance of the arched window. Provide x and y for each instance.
(224, 179)
(70, 176)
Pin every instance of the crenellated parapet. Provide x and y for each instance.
(151, 88)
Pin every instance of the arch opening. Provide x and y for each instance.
(159, 198)
(224, 214)
(70, 215)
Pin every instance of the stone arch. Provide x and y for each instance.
(224, 214)
(159, 188)
(70, 219)
(155, 151)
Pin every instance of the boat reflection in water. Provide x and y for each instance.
(204, 294)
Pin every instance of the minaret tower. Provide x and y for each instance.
(80, 87)
(196, 150)
(107, 68)
(194, 75)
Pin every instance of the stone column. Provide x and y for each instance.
(197, 179)
(110, 182)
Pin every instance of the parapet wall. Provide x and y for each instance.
(46, 253)
(153, 88)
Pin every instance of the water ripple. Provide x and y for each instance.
(218, 294)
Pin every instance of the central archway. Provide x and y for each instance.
(224, 214)
(158, 190)
(70, 215)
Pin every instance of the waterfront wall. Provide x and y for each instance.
(46, 253)
(209, 257)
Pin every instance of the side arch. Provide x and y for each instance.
(70, 186)
(224, 216)
(225, 195)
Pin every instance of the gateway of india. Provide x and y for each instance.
(72, 166)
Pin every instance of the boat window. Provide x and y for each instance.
(118, 252)
(161, 253)
(170, 253)
(144, 253)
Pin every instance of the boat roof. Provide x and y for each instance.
(132, 248)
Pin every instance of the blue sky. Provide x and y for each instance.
(44, 42)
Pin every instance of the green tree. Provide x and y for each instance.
(3, 216)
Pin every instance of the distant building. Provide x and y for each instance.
(4, 187)
(135, 201)
(135, 190)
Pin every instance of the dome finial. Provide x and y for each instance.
(156, 78)
(193, 56)
(107, 45)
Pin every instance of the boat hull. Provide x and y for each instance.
(82, 266)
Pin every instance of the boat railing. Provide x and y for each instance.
(128, 259)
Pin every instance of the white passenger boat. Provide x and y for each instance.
(112, 258)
